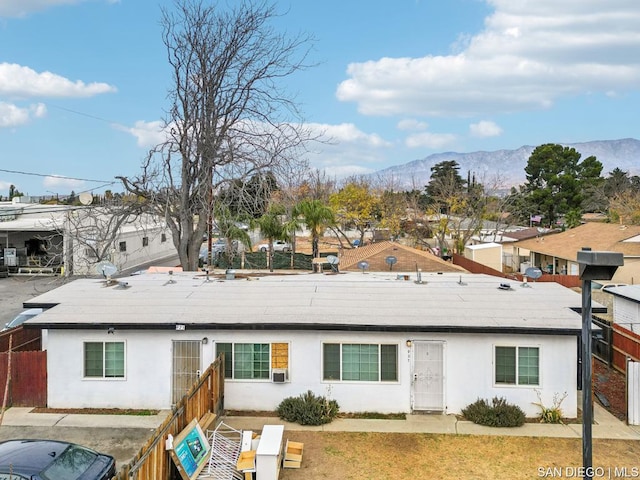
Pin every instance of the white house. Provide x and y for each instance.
(372, 341)
(52, 239)
(626, 306)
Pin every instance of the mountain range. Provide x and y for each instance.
(502, 169)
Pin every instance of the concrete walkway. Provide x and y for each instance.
(605, 426)
(23, 417)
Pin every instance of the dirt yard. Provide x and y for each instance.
(377, 456)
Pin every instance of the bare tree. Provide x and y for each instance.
(229, 119)
(86, 236)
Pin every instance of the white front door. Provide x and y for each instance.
(186, 367)
(427, 376)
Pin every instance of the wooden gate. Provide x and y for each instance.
(28, 382)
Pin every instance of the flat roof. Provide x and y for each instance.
(344, 301)
(630, 292)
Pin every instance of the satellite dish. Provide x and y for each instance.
(106, 269)
(85, 198)
(533, 273)
(363, 265)
(333, 260)
(391, 260)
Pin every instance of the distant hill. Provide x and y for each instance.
(508, 165)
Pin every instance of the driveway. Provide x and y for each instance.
(16, 290)
(122, 436)
(122, 443)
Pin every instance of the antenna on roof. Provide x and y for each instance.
(460, 282)
(333, 261)
(533, 273)
(391, 261)
(86, 198)
(107, 270)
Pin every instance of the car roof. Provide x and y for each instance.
(29, 456)
(23, 317)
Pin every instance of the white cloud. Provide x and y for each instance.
(148, 134)
(12, 116)
(412, 124)
(347, 133)
(56, 182)
(529, 55)
(345, 150)
(485, 128)
(342, 150)
(21, 8)
(430, 140)
(19, 81)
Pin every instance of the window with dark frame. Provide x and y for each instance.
(360, 362)
(145, 241)
(252, 361)
(122, 246)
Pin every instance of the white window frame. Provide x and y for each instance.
(517, 383)
(103, 377)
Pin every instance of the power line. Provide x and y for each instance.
(88, 115)
(57, 176)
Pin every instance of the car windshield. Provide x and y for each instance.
(20, 319)
(70, 465)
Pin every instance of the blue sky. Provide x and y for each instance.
(83, 83)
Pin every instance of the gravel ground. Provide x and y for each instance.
(611, 383)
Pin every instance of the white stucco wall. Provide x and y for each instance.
(468, 371)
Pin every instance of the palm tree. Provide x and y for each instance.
(272, 229)
(232, 229)
(317, 217)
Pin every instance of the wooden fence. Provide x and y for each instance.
(24, 339)
(568, 281)
(626, 344)
(28, 383)
(207, 395)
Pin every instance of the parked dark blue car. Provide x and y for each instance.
(53, 460)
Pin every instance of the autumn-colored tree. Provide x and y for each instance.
(356, 206)
(624, 208)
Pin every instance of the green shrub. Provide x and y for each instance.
(497, 414)
(308, 409)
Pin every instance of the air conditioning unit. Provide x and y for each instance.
(279, 375)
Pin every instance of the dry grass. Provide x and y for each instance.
(386, 456)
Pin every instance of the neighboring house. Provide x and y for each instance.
(408, 259)
(511, 261)
(488, 254)
(52, 239)
(626, 306)
(558, 253)
(370, 341)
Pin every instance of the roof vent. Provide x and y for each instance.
(505, 286)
